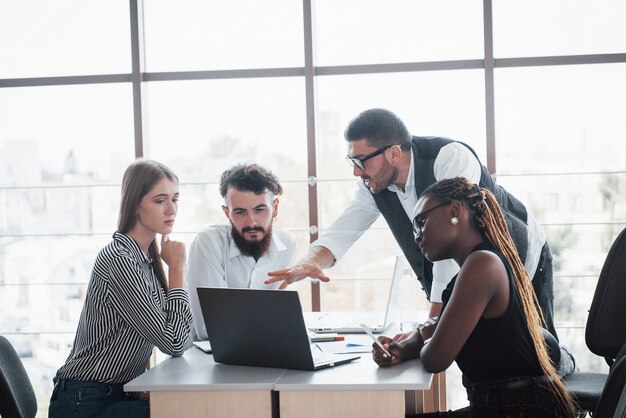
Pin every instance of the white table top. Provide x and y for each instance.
(196, 370)
(361, 374)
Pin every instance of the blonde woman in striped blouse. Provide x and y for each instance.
(131, 305)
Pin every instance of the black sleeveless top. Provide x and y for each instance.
(425, 152)
(498, 348)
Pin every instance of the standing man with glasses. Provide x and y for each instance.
(394, 168)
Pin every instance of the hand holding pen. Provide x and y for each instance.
(384, 350)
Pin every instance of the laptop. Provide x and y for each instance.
(350, 322)
(264, 328)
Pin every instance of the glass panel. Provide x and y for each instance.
(53, 308)
(66, 134)
(59, 260)
(201, 128)
(562, 27)
(64, 37)
(572, 299)
(59, 210)
(333, 197)
(372, 295)
(369, 260)
(580, 250)
(561, 118)
(355, 295)
(45, 293)
(200, 205)
(371, 32)
(442, 103)
(371, 257)
(577, 198)
(201, 35)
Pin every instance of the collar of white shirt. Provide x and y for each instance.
(409, 185)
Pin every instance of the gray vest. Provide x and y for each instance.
(425, 150)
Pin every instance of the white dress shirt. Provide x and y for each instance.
(453, 160)
(215, 261)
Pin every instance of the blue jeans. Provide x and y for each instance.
(81, 399)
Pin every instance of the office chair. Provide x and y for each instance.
(17, 397)
(613, 400)
(605, 331)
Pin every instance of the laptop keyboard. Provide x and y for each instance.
(319, 357)
(370, 321)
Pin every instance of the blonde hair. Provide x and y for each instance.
(489, 220)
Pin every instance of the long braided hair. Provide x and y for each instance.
(489, 220)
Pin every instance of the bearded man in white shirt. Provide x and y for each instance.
(242, 252)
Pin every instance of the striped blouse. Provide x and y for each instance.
(126, 313)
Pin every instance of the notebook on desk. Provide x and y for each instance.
(349, 322)
(204, 346)
(264, 328)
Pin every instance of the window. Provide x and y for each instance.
(369, 32)
(226, 82)
(535, 28)
(198, 35)
(64, 38)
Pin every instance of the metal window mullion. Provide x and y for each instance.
(309, 83)
(489, 87)
(137, 47)
(560, 60)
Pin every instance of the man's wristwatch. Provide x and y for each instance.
(430, 321)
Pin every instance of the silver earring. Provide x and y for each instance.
(454, 220)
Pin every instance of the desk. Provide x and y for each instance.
(195, 386)
(360, 389)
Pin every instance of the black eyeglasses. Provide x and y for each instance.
(420, 220)
(360, 161)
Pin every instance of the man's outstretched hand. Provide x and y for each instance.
(312, 266)
(296, 273)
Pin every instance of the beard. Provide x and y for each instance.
(386, 176)
(252, 248)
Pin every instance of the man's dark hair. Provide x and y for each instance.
(379, 127)
(250, 177)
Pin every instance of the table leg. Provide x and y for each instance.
(431, 400)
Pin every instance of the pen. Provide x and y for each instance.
(323, 338)
(373, 337)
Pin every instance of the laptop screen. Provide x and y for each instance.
(255, 327)
(349, 322)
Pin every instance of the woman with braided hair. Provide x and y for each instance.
(490, 324)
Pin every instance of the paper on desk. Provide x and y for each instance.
(204, 346)
(342, 347)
